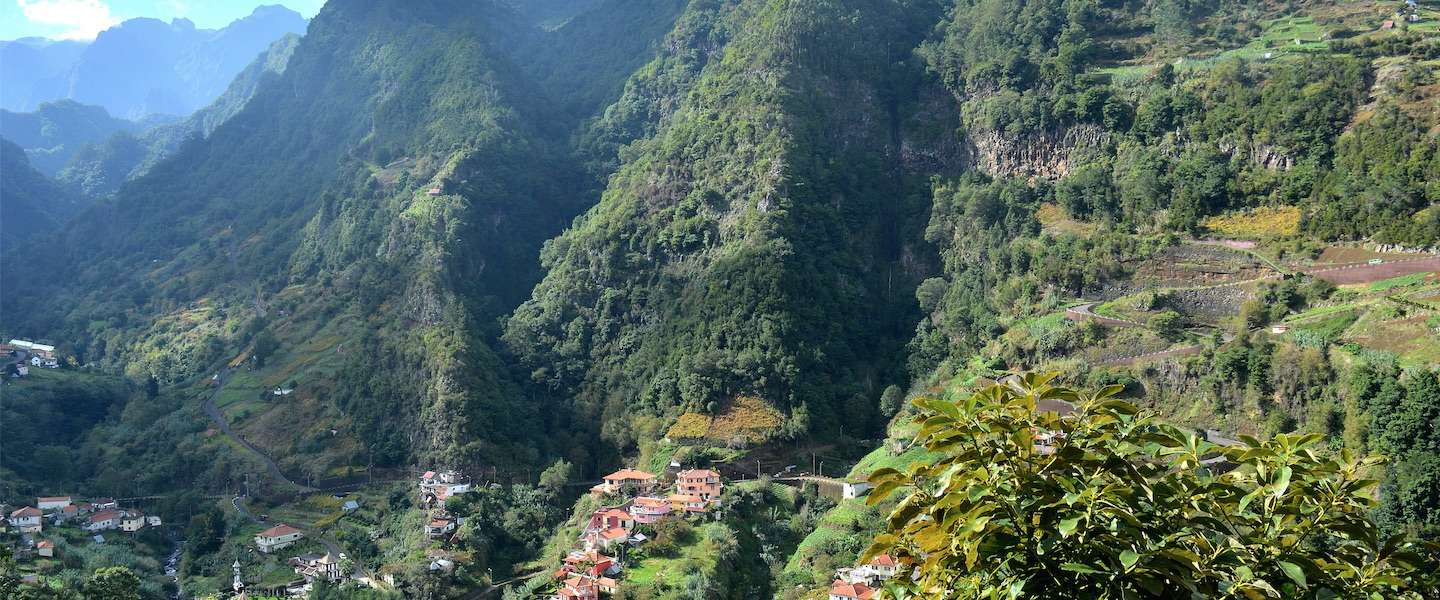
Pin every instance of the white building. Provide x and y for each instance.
(52, 503)
(277, 537)
(26, 520)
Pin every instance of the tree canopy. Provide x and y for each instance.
(1114, 504)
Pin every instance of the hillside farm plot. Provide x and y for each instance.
(1198, 265)
(1368, 273)
(1345, 255)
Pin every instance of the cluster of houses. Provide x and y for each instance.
(588, 572)
(1410, 14)
(31, 354)
(96, 516)
(435, 488)
(860, 583)
(311, 567)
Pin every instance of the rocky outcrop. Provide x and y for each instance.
(1050, 154)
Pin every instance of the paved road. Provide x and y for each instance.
(218, 417)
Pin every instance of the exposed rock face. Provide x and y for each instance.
(1051, 154)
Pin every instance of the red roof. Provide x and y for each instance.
(844, 589)
(884, 560)
(28, 511)
(439, 522)
(429, 475)
(625, 474)
(44, 544)
(54, 499)
(686, 498)
(698, 474)
(104, 515)
(279, 531)
(651, 502)
(615, 533)
(70, 509)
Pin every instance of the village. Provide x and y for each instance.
(37, 527)
(18, 356)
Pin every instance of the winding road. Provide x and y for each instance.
(213, 411)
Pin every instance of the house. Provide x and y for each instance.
(22, 370)
(578, 588)
(436, 488)
(65, 513)
(1278, 329)
(43, 351)
(277, 537)
(442, 565)
(434, 191)
(51, 503)
(684, 503)
(1387, 25)
(26, 520)
(604, 539)
(610, 518)
(844, 590)
(103, 503)
(316, 566)
(152, 521)
(350, 506)
(590, 563)
(879, 569)
(623, 480)
(85, 508)
(45, 548)
(132, 521)
(649, 509)
(1413, 17)
(699, 482)
(439, 526)
(103, 520)
(854, 489)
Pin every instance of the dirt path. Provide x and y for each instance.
(213, 411)
(1086, 312)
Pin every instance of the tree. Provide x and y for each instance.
(1121, 506)
(556, 475)
(890, 401)
(113, 583)
(1168, 323)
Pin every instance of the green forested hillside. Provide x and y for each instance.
(34, 205)
(734, 233)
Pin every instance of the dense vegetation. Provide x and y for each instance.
(1116, 506)
(781, 215)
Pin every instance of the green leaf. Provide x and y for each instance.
(1129, 558)
(1294, 572)
(1067, 526)
(1079, 568)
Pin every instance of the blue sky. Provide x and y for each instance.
(82, 19)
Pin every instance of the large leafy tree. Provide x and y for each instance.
(1116, 505)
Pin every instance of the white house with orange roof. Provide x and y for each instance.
(104, 520)
(45, 548)
(844, 590)
(649, 509)
(440, 525)
(623, 480)
(277, 537)
(49, 503)
(26, 519)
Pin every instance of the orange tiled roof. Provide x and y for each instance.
(624, 474)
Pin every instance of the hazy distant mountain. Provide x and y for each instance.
(142, 66)
(33, 70)
(33, 204)
(57, 130)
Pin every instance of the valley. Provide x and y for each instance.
(643, 299)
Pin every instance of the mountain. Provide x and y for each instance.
(34, 205)
(57, 130)
(143, 66)
(32, 71)
(99, 168)
(537, 245)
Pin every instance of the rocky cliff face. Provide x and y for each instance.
(1049, 154)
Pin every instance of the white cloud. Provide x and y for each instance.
(81, 19)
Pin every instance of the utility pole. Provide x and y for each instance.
(822, 468)
(758, 473)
